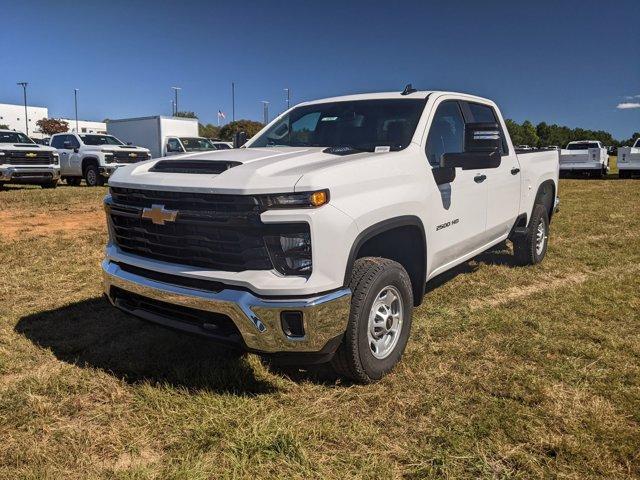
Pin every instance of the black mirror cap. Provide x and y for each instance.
(482, 137)
(471, 160)
(239, 139)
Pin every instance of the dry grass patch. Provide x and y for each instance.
(510, 372)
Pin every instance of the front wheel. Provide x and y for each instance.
(51, 184)
(532, 247)
(92, 176)
(73, 181)
(379, 320)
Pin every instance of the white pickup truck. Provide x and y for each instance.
(24, 161)
(314, 241)
(629, 160)
(93, 156)
(585, 156)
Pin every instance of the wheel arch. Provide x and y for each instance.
(401, 239)
(545, 196)
(88, 160)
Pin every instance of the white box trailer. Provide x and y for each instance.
(629, 160)
(154, 133)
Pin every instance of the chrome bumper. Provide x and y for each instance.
(29, 174)
(258, 320)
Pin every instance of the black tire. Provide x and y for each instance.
(73, 181)
(92, 175)
(51, 184)
(354, 358)
(525, 248)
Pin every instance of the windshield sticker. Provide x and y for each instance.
(382, 149)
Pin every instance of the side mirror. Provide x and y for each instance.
(482, 144)
(76, 150)
(239, 139)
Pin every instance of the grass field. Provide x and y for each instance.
(510, 372)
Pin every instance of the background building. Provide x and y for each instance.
(85, 126)
(13, 117)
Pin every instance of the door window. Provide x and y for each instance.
(447, 132)
(173, 145)
(485, 114)
(58, 141)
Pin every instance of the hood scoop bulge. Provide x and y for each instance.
(203, 167)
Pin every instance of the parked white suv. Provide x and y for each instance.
(93, 156)
(24, 161)
(629, 160)
(585, 156)
(314, 241)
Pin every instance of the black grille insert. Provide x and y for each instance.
(24, 157)
(219, 232)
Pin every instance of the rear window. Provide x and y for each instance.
(582, 146)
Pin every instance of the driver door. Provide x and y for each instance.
(457, 207)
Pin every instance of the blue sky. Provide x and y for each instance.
(566, 62)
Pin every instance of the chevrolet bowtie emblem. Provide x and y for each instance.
(158, 215)
(132, 155)
(31, 155)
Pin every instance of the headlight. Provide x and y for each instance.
(56, 158)
(290, 253)
(295, 200)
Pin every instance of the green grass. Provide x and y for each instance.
(510, 372)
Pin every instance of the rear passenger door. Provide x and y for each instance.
(457, 207)
(503, 182)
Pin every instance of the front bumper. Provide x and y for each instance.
(108, 170)
(35, 174)
(257, 320)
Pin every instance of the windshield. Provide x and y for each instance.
(192, 144)
(361, 125)
(222, 146)
(14, 137)
(100, 140)
(582, 146)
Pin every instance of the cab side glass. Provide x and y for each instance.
(446, 134)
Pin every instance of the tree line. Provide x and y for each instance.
(544, 135)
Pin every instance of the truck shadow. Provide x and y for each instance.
(92, 333)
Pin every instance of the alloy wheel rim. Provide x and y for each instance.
(91, 177)
(385, 322)
(541, 237)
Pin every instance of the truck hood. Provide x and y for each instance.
(252, 170)
(26, 147)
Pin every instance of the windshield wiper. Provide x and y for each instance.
(346, 150)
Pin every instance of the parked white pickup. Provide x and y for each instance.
(24, 161)
(93, 156)
(315, 240)
(585, 156)
(629, 160)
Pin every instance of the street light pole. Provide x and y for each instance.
(288, 97)
(265, 111)
(233, 102)
(175, 90)
(75, 101)
(26, 114)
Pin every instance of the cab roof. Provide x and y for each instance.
(419, 94)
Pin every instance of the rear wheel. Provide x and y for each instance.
(532, 247)
(379, 320)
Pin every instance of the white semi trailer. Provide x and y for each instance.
(162, 135)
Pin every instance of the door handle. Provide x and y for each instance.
(479, 178)
(515, 171)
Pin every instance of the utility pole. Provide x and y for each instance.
(26, 115)
(75, 100)
(288, 97)
(265, 111)
(233, 102)
(175, 104)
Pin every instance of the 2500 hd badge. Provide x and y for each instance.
(447, 224)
